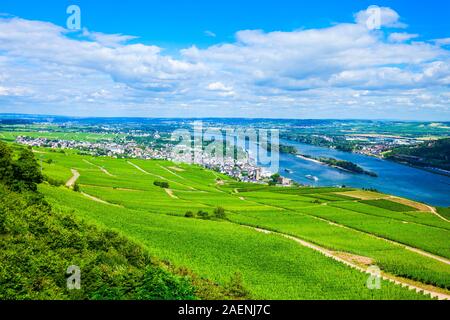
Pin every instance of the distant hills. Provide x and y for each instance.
(435, 154)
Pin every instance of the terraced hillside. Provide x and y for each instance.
(285, 243)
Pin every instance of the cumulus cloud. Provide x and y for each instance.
(218, 86)
(339, 68)
(108, 40)
(386, 17)
(444, 41)
(401, 37)
(14, 91)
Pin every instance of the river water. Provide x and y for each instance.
(393, 178)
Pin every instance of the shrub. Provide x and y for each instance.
(219, 213)
(53, 182)
(21, 174)
(189, 214)
(40, 245)
(203, 214)
(236, 287)
(161, 184)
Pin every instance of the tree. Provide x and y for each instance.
(236, 287)
(161, 184)
(26, 171)
(6, 167)
(189, 214)
(203, 214)
(274, 179)
(21, 174)
(219, 212)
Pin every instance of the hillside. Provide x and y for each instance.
(166, 230)
(331, 228)
(435, 154)
(39, 243)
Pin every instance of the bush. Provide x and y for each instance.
(219, 213)
(236, 287)
(189, 214)
(54, 182)
(76, 187)
(203, 214)
(161, 184)
(21, 174)
(39, 244)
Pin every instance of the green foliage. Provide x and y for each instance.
(161, 184)
(203, 214)
(189, 214)
(274, 179)
(6, 164)
(271, 267)
(219, 213)
(236, 287)
(21, 174)
(389, 205)
(76, 187)
(345, 165)
(444, 212)
(53, 182)
(427, 154)
(37, 245)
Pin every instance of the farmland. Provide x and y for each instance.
(120, 194)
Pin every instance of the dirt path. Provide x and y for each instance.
(71, 182)
(413, 249)
(99, 200)
(419, 206)
(171, 172)
(101, 168)
(170, 193)
(432, 291)
(159, 177)
(38, 152)
(434, 211)
(178, 176)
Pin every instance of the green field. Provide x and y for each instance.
(120, 194)
(10, 136)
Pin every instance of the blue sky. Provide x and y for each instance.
(290, 59)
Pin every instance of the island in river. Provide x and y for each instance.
(332, 162)
(338, 164)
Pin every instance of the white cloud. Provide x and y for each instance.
(14, 91)
(387, 17)
(210, 34)
(444, 41)
(108, 40)
(300, 72)
(401, 37)
(218, 86)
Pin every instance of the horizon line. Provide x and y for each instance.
(211, 117)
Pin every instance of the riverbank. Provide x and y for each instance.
(393, 178)
(339, 164)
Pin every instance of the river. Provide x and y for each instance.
(393, 178)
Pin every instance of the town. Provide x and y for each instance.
(243, 169)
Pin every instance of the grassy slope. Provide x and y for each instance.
(38, 244)
(288, 210)
(272, 267)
